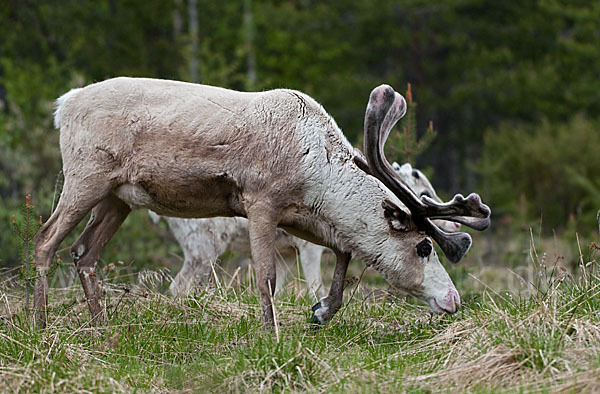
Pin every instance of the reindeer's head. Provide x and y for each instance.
(421, 186)
(416, 268)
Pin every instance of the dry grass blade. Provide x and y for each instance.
(500, 364)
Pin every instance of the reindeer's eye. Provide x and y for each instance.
(415, 174)
(424, 248)
(425, 193)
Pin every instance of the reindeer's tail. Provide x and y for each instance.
(60, 105)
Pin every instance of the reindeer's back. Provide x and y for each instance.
(177, 139)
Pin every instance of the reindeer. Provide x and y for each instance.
(275, 157)
(204, 240)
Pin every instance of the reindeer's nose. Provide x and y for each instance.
(450, 303)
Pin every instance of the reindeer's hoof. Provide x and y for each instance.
(315, 321)
(320, 315)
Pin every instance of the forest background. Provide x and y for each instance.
(512, 88)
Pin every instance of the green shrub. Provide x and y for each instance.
(548, 172)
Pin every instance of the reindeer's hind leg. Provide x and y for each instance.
(104, 222)
(76, 200)
(262, 227)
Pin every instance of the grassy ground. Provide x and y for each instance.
(543, 336)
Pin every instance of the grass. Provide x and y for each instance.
(543, 336)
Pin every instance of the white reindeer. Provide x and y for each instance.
(275, 157)
(204, 240)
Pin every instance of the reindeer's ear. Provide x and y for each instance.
(396, 217)
(405, 168)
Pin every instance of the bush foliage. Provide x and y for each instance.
(548, 172)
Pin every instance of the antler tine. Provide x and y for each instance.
(478, 213)
(454, 245)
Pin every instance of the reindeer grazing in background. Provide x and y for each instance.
(275, 157)
(204, 240)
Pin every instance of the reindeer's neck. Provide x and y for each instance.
(353, 210)
(343, 203)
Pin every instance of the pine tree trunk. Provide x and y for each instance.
(250, 53)
(177, 20)
(193, 29)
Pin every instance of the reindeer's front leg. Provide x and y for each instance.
(262, 228)
(328, 306)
